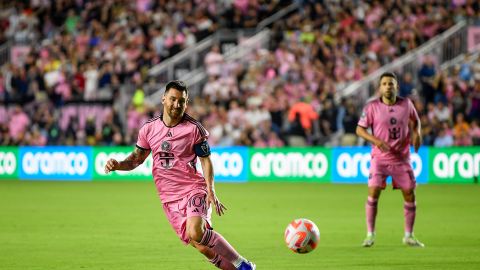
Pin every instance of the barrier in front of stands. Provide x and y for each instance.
(102, 154)
(454, 165)
(8, 163)
(240, 164)
(290, 164)
(55, 163)
(230, 164)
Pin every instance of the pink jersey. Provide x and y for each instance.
(173, 155)
(390, 124)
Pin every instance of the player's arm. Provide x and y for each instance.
(202, 150)
(416, 127)
(362, 132)
(136, 158)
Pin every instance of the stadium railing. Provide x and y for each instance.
(184, 64)
(196, 77)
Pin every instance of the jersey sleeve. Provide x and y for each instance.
(142, 141)
(412, 112)
(365, 120)
(200, 135)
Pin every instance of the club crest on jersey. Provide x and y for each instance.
(166, 146)
(393, 121)
(394, 133)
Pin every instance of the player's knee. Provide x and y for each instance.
(409, 195)
(202, 249)
(195, 233)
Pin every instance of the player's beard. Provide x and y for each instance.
(389, 96)
(175, 113)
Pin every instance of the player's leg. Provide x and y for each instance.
(214, 246)
(376, 183)
(371, 214)
(410, 211)
(200, 232)
(404, 179)
(195, 230)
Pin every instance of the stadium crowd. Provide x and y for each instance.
(283, 95)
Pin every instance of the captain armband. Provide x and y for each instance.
(202, 149)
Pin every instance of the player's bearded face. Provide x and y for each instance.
(175, 103)
(388, 87)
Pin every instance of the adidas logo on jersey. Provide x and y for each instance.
(169, 134)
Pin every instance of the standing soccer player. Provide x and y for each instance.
(395, 124)
(176, 140)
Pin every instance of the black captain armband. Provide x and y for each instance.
(202, 149)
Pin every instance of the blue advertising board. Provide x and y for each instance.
(230, 164)
(55, 163)
(352, 164)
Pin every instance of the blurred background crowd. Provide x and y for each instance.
(63, 80)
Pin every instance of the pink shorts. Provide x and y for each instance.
(402, 175)
(193, 205)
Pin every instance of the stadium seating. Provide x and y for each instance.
(88, 56)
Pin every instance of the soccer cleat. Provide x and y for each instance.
(247, 265)
(369, 241)
(412, 241)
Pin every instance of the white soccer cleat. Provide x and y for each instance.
(369, 241)
(412, 241)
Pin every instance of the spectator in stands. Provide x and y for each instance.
(475, 132)
(91, 131)
(35, 137)
(427, 76)
(53, 132)
(18, 124)
(440, 88)
(443, 139)
(473, 101)
(109, 130)
(350, 121)
(428, 129)
(458, 102)
(406, 85)
(305, 114)
(5, 137)
(442, 112)
(213, 61)
(297, 135)
(461, 131)
(72, 133)
(327, 117)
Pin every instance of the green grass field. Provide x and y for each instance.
(121, 225)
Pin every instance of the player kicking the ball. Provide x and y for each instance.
(175, 140)
(390, 118)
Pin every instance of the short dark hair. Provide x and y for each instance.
(178, 85)
(387, 74)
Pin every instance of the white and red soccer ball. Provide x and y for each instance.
(302, 235)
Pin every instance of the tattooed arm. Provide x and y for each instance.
(136, 158)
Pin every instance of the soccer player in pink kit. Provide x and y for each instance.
(395, 124)
(175, 140)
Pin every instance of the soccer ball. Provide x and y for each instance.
(302, 235)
